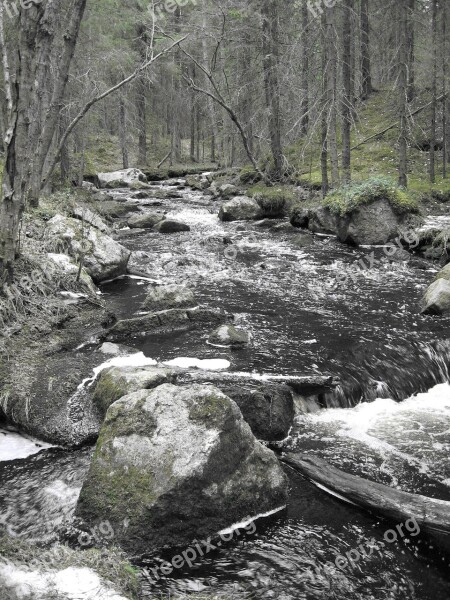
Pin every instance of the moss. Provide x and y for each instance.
(108, 390)
(273, 200)
(249, 175)
(349, 198)
(210, 409)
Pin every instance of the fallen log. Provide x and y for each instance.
(432, 515)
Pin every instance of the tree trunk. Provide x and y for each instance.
(270, 37)
(411, 51)
(33, 118)
(445, 147)
(366, 74)
(305, 68)
(347, 99)
(325, 105)
(123, 134)
(331, 43)
(403, 96)
(434, 8)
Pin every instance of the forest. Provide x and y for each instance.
(224, 299)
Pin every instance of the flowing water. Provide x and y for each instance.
(283, 287)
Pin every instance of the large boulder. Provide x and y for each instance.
(85, 214)
(228, 190)
(116, 382)
(177, 464)
(124, 178)
(436, 300)
(164, 297)
(374, 223)
(103, 257)
(40, 381)
(145, 221)
(240, 208)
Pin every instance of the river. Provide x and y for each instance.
(389, 420)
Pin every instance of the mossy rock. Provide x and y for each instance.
(175, 464)
(116, 382)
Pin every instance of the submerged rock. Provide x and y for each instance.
(169, 296)
(103, 257)
(177, 464)
(124, 178)
(240, 208)
(227, 335)
(171, 226)
(145, 221)
(116, 382)
(436, 300)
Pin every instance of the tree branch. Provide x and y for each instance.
(100, 97)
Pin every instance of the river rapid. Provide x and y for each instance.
(389, 420)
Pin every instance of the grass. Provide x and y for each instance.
(348, 198)
(379, 157)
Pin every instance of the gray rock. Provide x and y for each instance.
(116, 382)
(227, 335)
(168, 296)
(374, 223)
(124, 178)
(300, 217)
(145, 221)
(436, 300)
(103, 257)
(228, 190)
(111, 209)
(177, 464)
(322, 220)
(171, 226)
(444, 273)
(84, 214)
(240, 208)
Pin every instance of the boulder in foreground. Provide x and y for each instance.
(436, 300)
(177, 464)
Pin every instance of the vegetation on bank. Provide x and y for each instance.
(348, 198)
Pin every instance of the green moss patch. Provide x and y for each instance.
(349, 198)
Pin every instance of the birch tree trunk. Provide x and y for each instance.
(403, 96)
(366, 67)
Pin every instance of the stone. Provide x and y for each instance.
(227, 335)
(436, 300)
(103, 258)
(168, 296)
(177, 464)
(116, 382)
(240, 208)
(145, 221)
(171, 226)
(124, 178)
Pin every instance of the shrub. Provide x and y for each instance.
(348, 198)
(272, 200)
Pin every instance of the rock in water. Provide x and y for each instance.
(227, 335)
(145, 221)
(170, 226)
(374, 223)
(103, 257)
(436, 300)
(175, 464)
(168, 296)
(116, 382)
(124, 178)
(240, 208)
